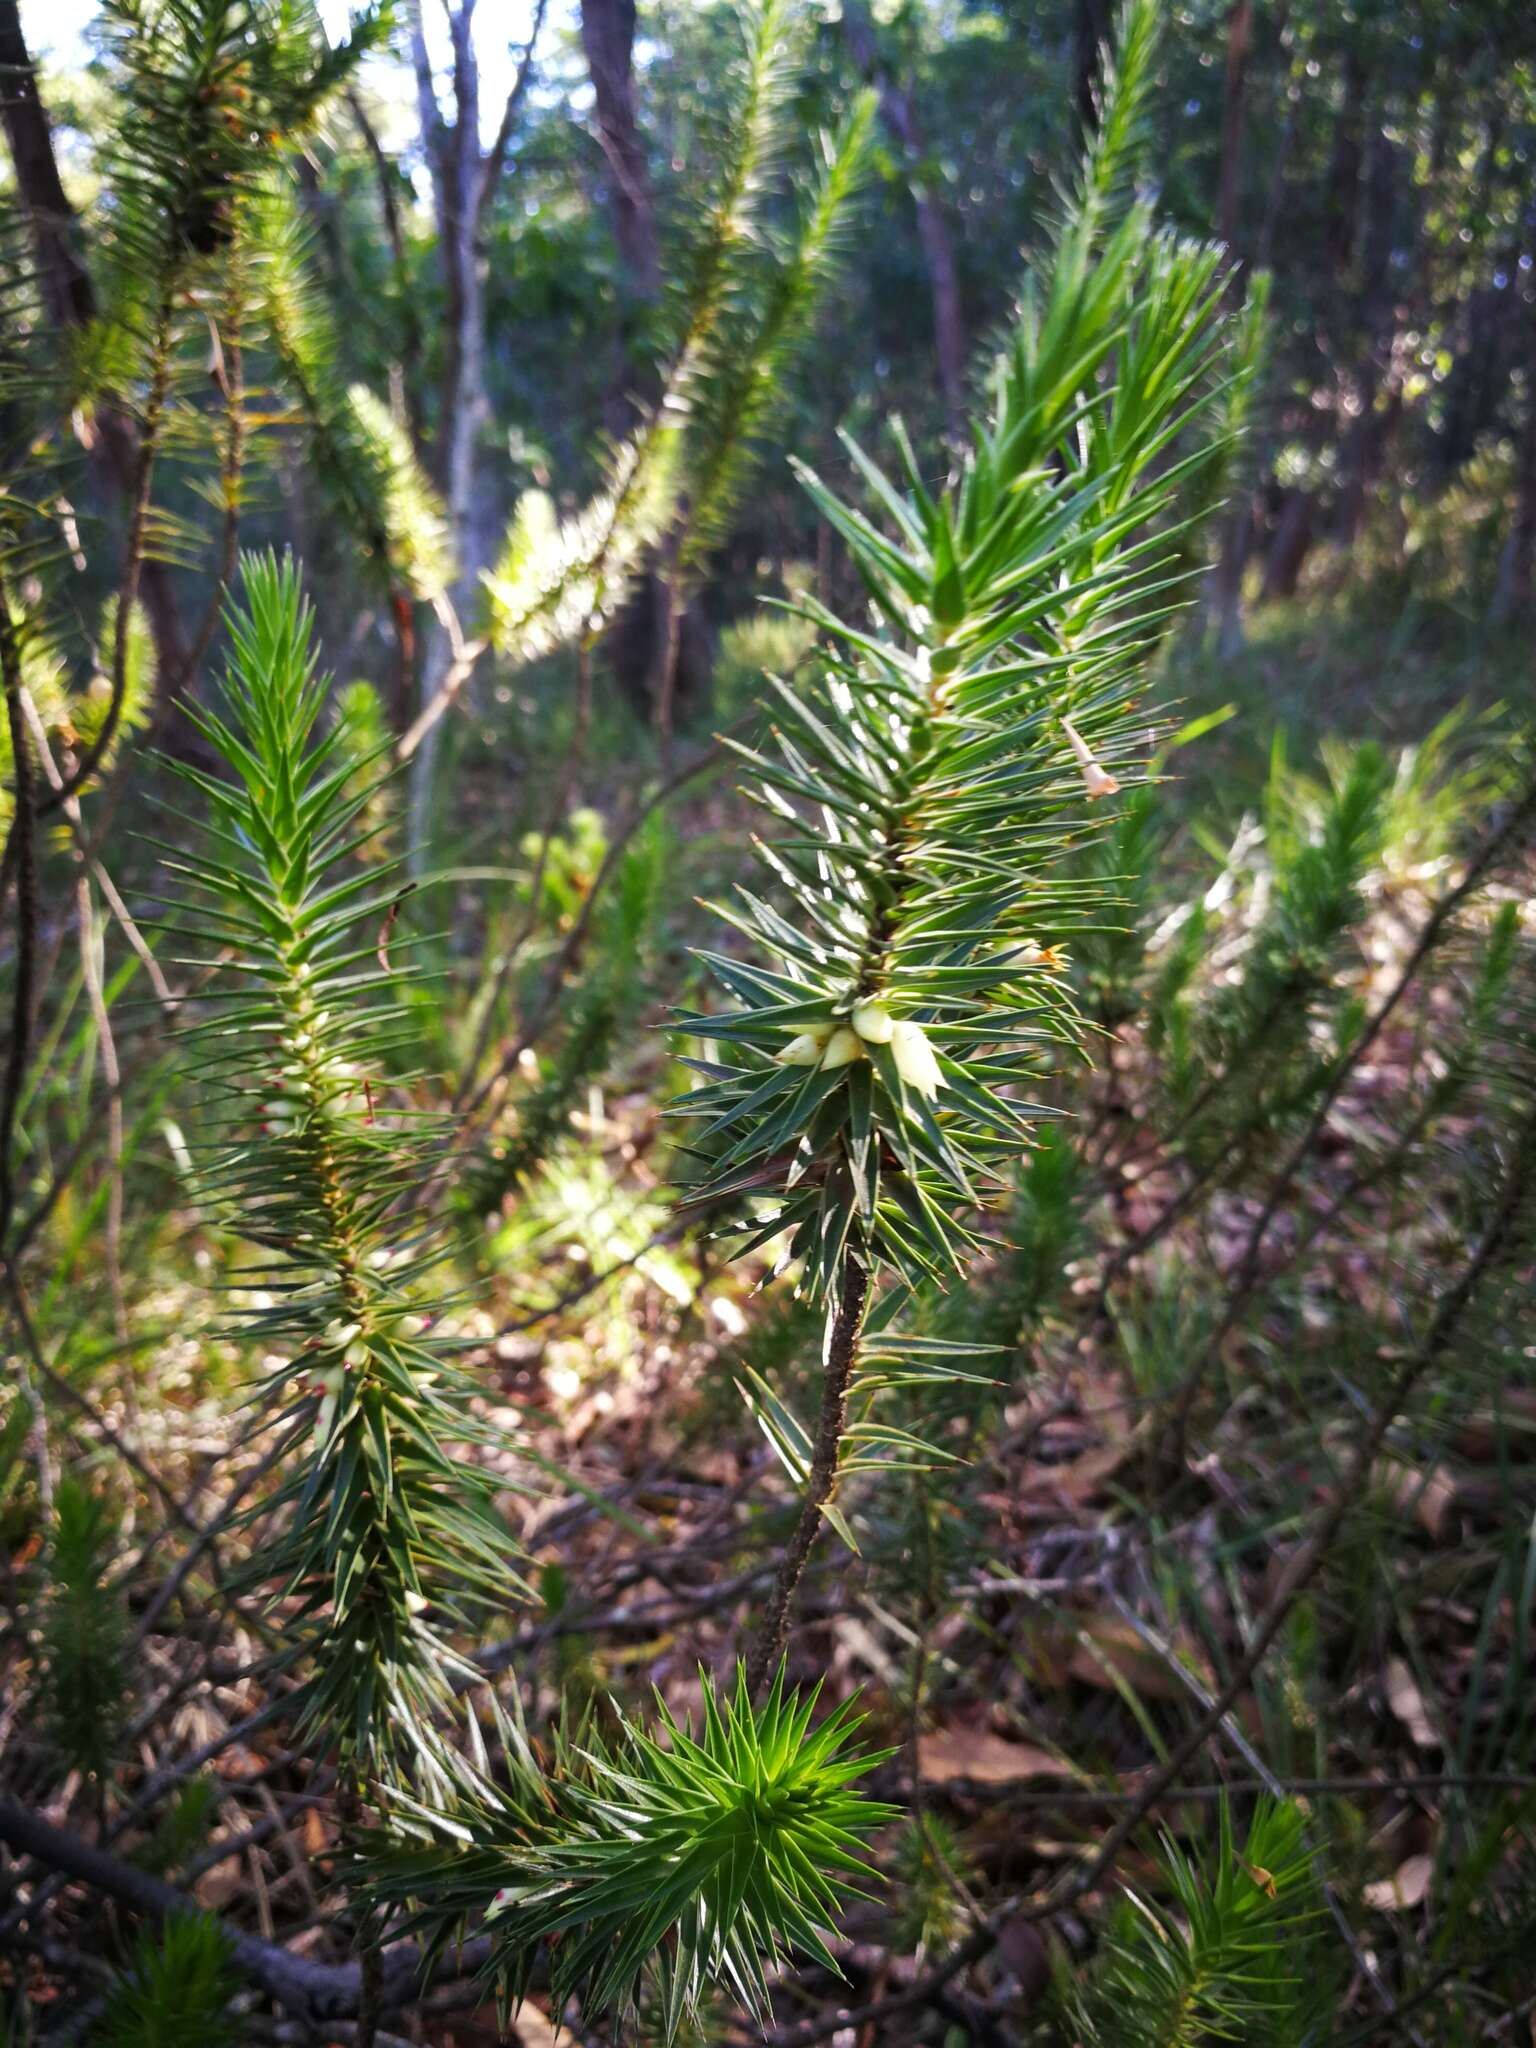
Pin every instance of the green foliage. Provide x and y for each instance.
(183, 1828)
(745, 358)
(929, 786)
(364, 741)
(1229, 1960)
(1045, 1232)
(362, 455)
(1256, 1024)
(205, 95)
(410, 513)
(73, 718)
(558, 579)
(206, 86)
(389, 1530)
(176, 1990)
(746, 307)
(931, 1869)
(85, 1680)
(769, 641)
(603, 1004)
(691, 1860)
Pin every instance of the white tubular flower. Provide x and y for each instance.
(843, 1047)
(340, 1333)
(331, 1384)
(914, 1057)
(806, 1050)
(1097, 780)
(874, 1023)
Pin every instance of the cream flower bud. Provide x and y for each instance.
(874, 1023)
(914, 1057)
(357, 1353)
(340, 1333)
(843, 1047)
(1096, 779)
(804, 1051)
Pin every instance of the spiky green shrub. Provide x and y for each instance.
(175, 1992)
(900, 996)
(1225, 1958)
(189, 241)
(674, 1862)
(745, 308)
(903, 984)
(85, 1680)
(389, 1533)
(362, 455)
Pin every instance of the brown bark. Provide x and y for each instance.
(842, 1349)
(898, 110)
(1293, 536)
(1092, 22)
(1515, 588)
(608, 40)
(63, 276)
(69, 299)
(1343, 184)
(1234, 111)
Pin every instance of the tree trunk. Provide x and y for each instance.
(1091, 31)
(608, 39)
(1234, 109)
(1343, 185)
(898, 110)
(1516, 584)
(1378, 389)
(69, 298)
(1292, 543)
(1224, 605)
(464, 179)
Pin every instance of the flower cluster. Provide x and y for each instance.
(836, 1044)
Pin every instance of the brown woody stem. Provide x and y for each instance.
(842, 1346)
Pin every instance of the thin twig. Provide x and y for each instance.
(844, 1322)
(312, 1991)
(20, 854)
(111, 895)
(133, 560)
(465, 656)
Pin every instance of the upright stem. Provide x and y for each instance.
(370, 1961)
(133, 561)
(20, 856)
(844, 1325)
